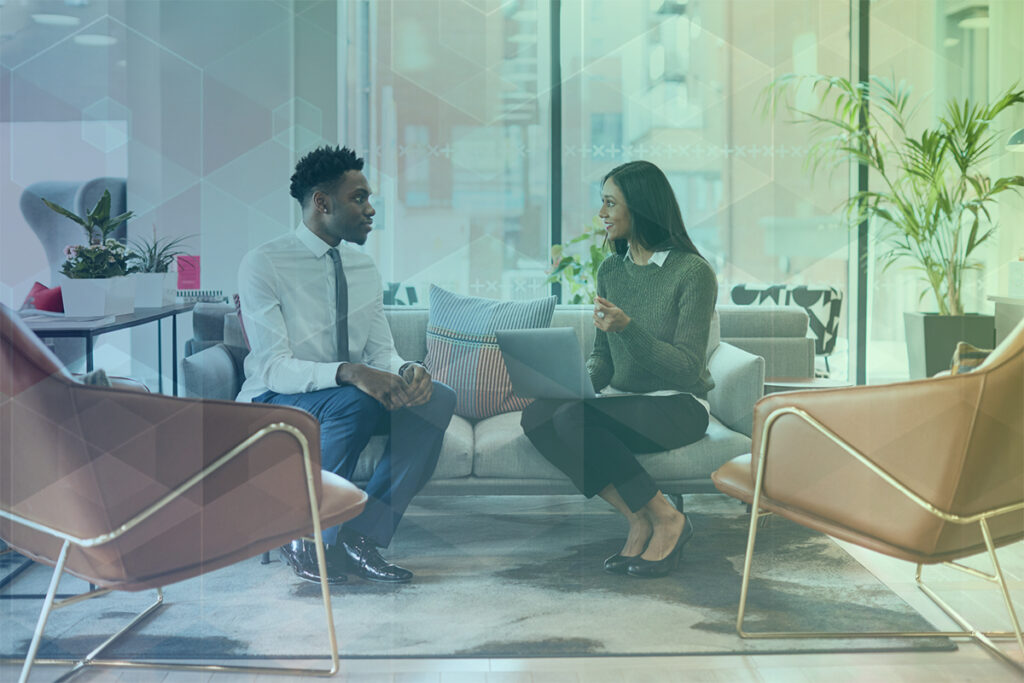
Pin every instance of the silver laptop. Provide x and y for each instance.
(545, 363)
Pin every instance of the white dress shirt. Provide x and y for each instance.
(657, 258)
(286, 287)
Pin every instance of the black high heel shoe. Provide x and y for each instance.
(619, 564)
(650, 569)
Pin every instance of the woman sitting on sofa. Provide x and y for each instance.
(656, 297)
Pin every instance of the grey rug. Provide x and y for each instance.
(503, 577)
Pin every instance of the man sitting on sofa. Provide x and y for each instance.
(314, 316)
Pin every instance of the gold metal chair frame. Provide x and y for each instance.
(91, 659)
(983, 638)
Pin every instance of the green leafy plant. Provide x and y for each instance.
(154, 256)
(109, 259)
(101, 256)
(575, 263)
(932, 202)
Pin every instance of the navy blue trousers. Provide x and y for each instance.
(348, 417)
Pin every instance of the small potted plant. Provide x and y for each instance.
(150, 266)
(92, 278)
(575, 264)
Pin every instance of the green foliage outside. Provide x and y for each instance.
(575, 264)
(927, 193)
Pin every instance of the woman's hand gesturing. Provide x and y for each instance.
(609, 317)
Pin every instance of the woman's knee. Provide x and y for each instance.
(568, 417)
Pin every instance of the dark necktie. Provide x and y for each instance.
(341, 304)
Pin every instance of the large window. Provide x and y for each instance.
(205, 107)
(459, 145)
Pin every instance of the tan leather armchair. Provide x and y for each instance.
(132, 491)
(928, 471)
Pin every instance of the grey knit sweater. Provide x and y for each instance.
(665, 344)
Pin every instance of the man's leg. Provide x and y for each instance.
(408, 461)
(348, 417)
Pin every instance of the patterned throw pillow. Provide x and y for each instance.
(967, 357)
(462, 350)
(241, 323)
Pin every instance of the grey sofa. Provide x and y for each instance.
(492, 455)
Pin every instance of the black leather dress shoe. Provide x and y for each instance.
(301, 557)
(365, 561)
(650, 569)
(618, 564)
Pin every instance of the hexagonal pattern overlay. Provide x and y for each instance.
(106, 124)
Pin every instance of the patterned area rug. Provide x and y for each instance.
(502, 577)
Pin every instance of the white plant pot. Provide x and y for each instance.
(153, 290)
(97, 296)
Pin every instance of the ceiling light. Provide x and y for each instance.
(94, 40)
(973, 23)
(976, 18)
(56, 19)
(1016, 142)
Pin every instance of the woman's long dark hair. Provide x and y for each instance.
(653, 210)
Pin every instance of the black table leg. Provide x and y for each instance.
(174, 355)
(159, 357)
(88, 353)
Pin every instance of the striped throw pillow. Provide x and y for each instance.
(967, 357)
(462, 350)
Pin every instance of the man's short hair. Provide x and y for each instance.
(321, 169)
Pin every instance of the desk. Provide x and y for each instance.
(90, 329)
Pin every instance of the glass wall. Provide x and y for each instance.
(460, 135)
(945, 50)
(459, 142)
(206, 110)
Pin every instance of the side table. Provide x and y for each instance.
(90, 329)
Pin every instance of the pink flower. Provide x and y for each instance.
(70, 251)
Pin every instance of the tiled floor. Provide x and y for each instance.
(975, 598)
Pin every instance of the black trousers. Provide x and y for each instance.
(595, 441)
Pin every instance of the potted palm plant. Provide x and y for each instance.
(929, 195)
(92, 278)
(150, 266)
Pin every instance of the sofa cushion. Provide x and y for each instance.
(43, 298)
(215, 372)
(719, 445)
(234, 332)
(409, 330)
(739, 384)
(504, 452)
(462, 350)
(456, 458)
(747, 321)
(783, 356)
